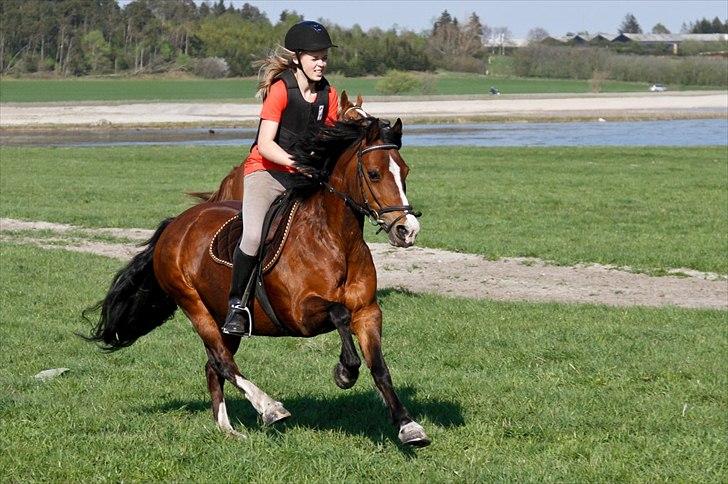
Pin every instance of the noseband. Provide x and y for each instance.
(375, 216)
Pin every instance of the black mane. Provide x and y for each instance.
(319, 148)
(317, 151)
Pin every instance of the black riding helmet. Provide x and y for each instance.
(307, 36)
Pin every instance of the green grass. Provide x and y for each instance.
(649, 208)
(507, 391)
(66, 90)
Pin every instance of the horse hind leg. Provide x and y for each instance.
(220, 358)
(215, 384)
(346, 371)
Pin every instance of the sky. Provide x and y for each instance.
(556, 16)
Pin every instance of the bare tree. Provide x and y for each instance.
(536, 34)
(501, 37)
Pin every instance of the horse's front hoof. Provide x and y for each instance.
(343, 378)
(412, 433)
(275, 413)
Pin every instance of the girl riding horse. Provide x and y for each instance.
(296, 97)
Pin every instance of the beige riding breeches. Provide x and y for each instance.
(261, 188)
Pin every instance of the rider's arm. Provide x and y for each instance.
(268, 147)
(333, 115)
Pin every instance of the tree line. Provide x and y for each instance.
(81, 37)
(630, 25)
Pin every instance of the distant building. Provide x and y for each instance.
(673, 40)
(669, 38)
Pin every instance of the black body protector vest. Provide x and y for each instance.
(299, 113)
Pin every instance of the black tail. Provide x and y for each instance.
(135, 304)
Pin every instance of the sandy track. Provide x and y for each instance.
(635, 105)
(449, 273)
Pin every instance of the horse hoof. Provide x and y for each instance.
(343, 378)
(232, 433)
(275, 413)
(412, 433)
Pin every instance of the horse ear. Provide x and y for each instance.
(344, 101)
(359, 100)
(397, 128)
(374, 132)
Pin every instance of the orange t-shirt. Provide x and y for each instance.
(273, 106)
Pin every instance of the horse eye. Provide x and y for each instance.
(374, 175)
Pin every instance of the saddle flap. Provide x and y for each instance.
(278, 221)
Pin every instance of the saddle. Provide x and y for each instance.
(276, 227)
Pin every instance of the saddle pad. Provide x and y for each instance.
(227, 238)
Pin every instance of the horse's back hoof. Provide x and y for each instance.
(232, 433)
(275, 413)
(412, 433)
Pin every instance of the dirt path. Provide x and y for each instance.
(442, 272)
(553, 106)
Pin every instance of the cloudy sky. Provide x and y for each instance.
(556, 16)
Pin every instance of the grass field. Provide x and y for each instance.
(508, 392)
(648, 208)
(47, 90)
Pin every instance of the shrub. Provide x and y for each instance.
(183, 61)
(211, 67)
(428, 83)
(585, 62)
(597, 80)
(397, 82)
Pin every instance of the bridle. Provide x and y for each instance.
(375, 216)
(363, 113)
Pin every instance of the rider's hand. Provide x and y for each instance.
(310, 172)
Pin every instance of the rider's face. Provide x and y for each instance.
(314, 63)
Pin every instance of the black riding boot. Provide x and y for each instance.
(239, 320)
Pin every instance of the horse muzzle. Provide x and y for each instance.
(404, 232)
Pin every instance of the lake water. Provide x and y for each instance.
(691, 132)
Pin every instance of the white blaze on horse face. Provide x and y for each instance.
(410, 222)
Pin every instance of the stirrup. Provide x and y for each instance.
(233, 326)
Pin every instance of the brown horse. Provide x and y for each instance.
(324, 280)
(231, 187)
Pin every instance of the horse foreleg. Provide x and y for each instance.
(221, 359)
(367, 326)
(346, 370)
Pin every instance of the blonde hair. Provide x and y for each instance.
(271, 67)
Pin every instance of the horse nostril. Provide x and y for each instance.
(402, 231)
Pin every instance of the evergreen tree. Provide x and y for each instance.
(630, 25)
(660, 29)
(219, 8)
(717, 26)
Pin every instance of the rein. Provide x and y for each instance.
(365, 208)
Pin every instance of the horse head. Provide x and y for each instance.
(361, 163)
(349, 111)
(382, 176)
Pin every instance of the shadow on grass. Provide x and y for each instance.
(354, 412)
(358, 411)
